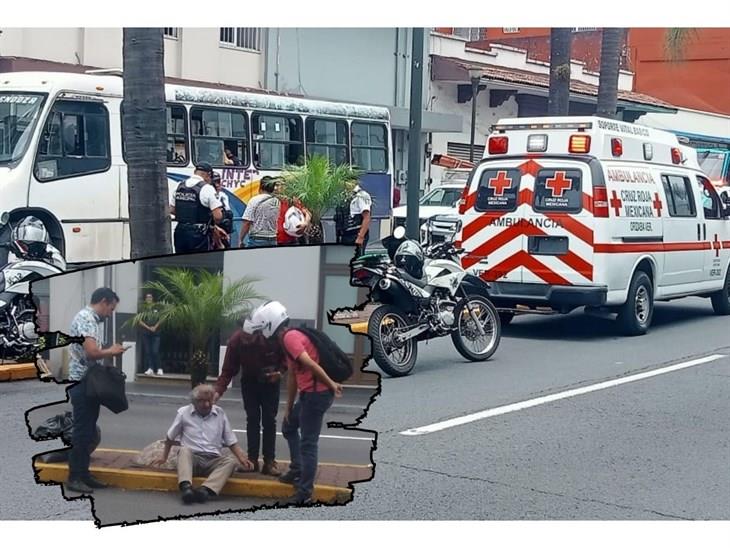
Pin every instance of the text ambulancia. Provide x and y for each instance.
(569, 212)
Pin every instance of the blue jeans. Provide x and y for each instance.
(151, 348)
(260, 242)
(301, 431)
(85, 415)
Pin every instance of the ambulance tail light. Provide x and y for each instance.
(600, 202)
(498, 145)
(676, 156)
(579, 144)
(617, 148)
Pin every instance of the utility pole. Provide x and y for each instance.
(414, 135)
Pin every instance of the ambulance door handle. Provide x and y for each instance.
(698, 232)
(704, 231)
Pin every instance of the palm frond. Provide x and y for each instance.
(676, 41)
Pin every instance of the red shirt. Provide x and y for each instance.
(296, 342)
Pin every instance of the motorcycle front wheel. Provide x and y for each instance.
(467, 338)
(397, 360)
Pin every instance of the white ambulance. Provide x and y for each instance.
(584, 211)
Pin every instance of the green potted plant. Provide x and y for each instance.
(320, 186)
(199, 304)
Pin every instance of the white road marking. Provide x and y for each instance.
(458, 421)
(325, 436)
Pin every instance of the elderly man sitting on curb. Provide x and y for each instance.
(202, 429)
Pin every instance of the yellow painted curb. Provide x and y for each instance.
(360, 327)
(167, 481)
(17, 371)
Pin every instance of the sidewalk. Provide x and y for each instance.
(17, 371)
(115, 467)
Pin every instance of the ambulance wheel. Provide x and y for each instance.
(634, 317)
(721, 299)
(396, 359)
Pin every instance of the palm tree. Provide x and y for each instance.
(559, 94)
(145, 139)
(611, 42)
(198, 304)
(676, 41)
(320, 186)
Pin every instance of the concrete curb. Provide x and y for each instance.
(17, 371)
(167, 481)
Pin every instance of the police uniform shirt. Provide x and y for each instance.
(208, 196)
(360, 203)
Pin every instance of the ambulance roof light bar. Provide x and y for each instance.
(580, 126)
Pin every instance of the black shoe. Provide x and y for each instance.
(202, 494)
(94, 483)
(301, 498)
(290, 477)
(188, 495)
(78, 486)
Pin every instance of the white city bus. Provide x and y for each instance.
(62, 160)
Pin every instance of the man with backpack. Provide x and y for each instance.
(310, 389)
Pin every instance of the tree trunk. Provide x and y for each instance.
(559, 93)
(608, 80)
(198, 368)
(145, 138)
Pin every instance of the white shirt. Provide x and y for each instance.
(223, 199)
(202, 434)
(360, 203)
(208, 196)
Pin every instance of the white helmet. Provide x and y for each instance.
(266, 318)
(29, 230)
(294, 218)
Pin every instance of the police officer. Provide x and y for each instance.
(197, 211)
(357, 224)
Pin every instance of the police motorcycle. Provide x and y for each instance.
(424, 295)
(34, 258)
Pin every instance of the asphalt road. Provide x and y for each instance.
(655, 448)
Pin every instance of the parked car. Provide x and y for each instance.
(443, 199)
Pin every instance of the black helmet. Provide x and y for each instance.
(409, 256)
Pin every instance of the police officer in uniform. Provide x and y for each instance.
(197, 211)
(357, 223)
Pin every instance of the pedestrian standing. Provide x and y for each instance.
(226, 222)
(261, 364)
(310, 393)
(197, 212)
(151, 336)
(87, 324)
(357, 225)
(261, 216)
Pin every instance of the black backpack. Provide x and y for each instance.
(333, 360)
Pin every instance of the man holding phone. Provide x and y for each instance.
(88, 324)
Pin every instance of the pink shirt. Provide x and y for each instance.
(296, 342)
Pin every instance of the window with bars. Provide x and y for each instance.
(584, 29)
(471, 34)
(369, 147)
(241, 37)
(461, 151)
(510, 30)
(170, 32)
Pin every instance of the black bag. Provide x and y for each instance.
(333, 360)
(106, 384)
(60, 425)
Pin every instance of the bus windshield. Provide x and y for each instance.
(712, 163)
(18, 115)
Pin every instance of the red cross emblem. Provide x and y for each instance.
(558, 184)
(500, 183)
(657, 203)
(716, 245)
(616, 203)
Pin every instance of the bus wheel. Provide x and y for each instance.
(634, 317)
(721, 299)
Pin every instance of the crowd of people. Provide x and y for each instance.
(205, 219)
(264, 349)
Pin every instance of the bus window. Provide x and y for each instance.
(328, 138)
(278, 140)
(216, 130)
(177, 142)
(369, 147)
(75, 141)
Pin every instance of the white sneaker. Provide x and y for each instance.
(160, 372)
(149, 372)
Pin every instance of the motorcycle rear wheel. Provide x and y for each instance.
(467, 333)
(394, 360)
